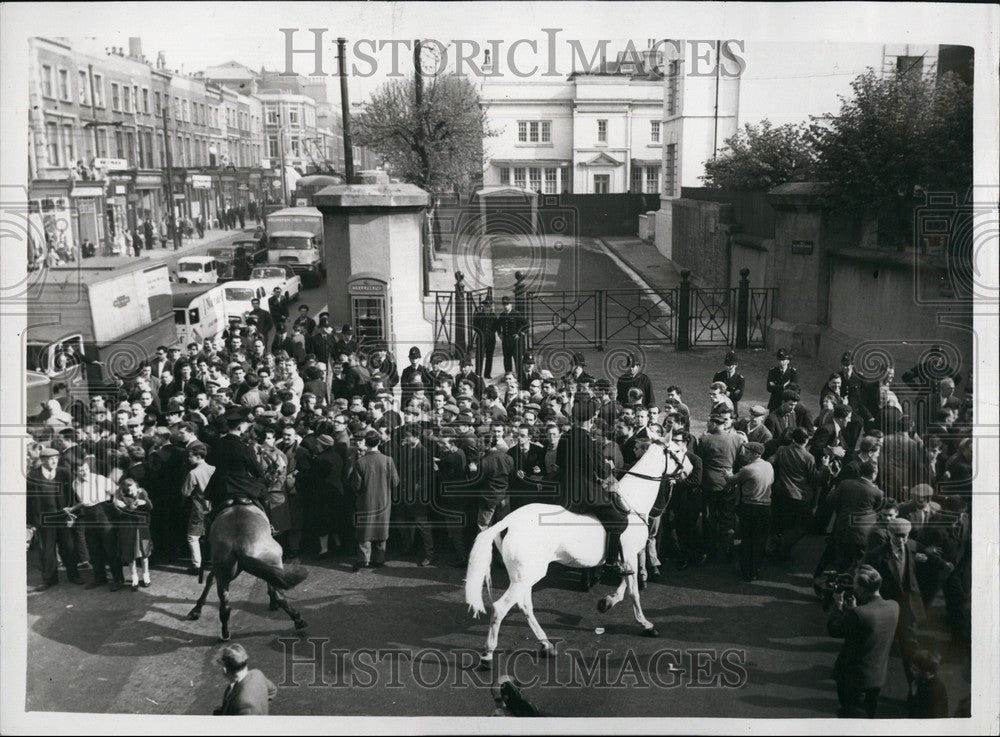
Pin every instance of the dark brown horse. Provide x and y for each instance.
(240, 540)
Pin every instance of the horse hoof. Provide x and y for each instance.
(300, 624)
(194, 616)
(548, 651)
(603, 605)
(485, 663)
(650, 632)
(224, 638)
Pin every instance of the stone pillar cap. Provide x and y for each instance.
(372, 195)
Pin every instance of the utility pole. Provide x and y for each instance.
(281, 151)
(345, 110)
(170, 182)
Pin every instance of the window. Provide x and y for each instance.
(272, 115)
(84, 88)
(654, 131)
(68, 148)
(534, 179)
(504, 175)
(652, 179)
(293, 115)
(115, 97)
(673, 87)
(130, 147)
(126, 99)
(670, 170)
(519, 178)
(602, 183)
(145, 101)
(119, 145)
(272, 148)
(295, 146)
(636, 179)
(602, 131)
(146, 151)
(177, 108)
(534, 131)
(47, 89)
(64, 85)
(52, 143)
(98, 90)
(157, 103)
(550, 181)
(910, 66)
(186, 111)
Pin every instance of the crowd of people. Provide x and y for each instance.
(348, 452)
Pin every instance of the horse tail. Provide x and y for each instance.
(280, 578)
(478, 573)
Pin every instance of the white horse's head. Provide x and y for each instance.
(640, 486)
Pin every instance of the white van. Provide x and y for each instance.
(198, 312)
(197, 270)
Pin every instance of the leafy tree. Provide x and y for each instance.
(437, 147)
(760, 157)
(895, 137)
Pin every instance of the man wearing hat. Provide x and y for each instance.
(577, 373)
(753, 488)
(529, 372)
(415, 377)
(381, 361)
(511, 327)
(582, 472)
(345, 343)
(852, 387)
(48, 488)
(466, 372)
(237, 473)
(305, 321)
(733, 380)
(634, 377)
(607, 408)
(753, 426)
(373, 479)
(484, 326)
(779, 377)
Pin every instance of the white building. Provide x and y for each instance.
(781, 82)
(590, 133)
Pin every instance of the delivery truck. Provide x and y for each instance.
(91, 324)
(295, 238)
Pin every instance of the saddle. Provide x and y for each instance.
(237, 501)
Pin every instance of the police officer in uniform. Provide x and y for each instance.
(415, 377)
(733, 380)
(484, 325)
(510, 326)
(779, 377)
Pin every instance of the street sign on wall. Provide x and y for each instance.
(201, 181)
(110, 164)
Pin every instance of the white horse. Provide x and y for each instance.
(538, 534)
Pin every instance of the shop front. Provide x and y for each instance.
(88, 213)
(149, 196)
(50, 208)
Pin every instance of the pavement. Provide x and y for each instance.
(189, 246)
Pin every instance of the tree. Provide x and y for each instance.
(438, 147)
(760, 157)
(896, 137)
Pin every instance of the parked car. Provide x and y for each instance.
(254, 247)
(202, 270)
(236, 297)
(281, 276)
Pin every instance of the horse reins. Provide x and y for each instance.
(646, 477)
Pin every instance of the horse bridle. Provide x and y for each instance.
(670, 477)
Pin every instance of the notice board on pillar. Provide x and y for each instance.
(371, 306)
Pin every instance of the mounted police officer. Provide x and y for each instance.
(237, 474)
(582, 482)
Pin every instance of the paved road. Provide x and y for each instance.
(407, 645)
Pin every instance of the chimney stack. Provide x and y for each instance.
(135, 47)
(161, 60)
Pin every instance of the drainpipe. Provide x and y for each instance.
(715, 134)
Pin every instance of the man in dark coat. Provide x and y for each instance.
(581, 481)
(49, 493)
(852, 387)
(484, 326)
(264, 321)
(326, 511)
(237, 473)
(249, 691)
(896, 563)
(277, 306)
(867, 629)
(733, 380)
(634, 377)
(529, 471)
(510, 326)
(373, 479)
(779, 377)
(414, 377)
(415, 464)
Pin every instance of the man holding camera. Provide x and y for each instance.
(867, 624)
